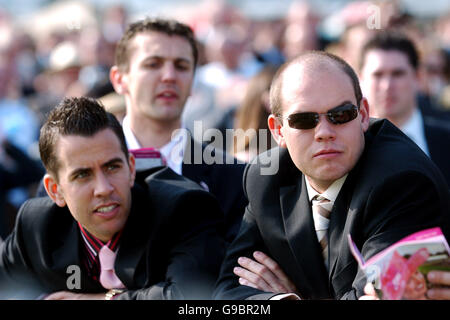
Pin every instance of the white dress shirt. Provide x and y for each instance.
(173, 151)
(320, 222)
(415, 130)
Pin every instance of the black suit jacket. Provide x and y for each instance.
(169, 248)
(437, 135)
(24, 172)
(223, 178)
(393, 191)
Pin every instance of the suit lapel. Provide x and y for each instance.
(430, 137)
(433, 139)
(135, 240)
(336, 234)
(68, 254)
(342, 219)
(193, 166)
(302, 238)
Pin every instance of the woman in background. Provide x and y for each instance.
(252, 114)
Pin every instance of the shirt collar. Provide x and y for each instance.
(93, 244)
(130, 138)
(415, 130)
(331, 193)
(173, 151)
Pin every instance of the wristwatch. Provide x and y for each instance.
(112, 293)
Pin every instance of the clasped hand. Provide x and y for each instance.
(264, 274)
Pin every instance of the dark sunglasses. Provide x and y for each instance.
(308, 120)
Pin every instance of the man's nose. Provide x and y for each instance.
(324, 130)
(103, 186)
(168, 72)
(386, 83)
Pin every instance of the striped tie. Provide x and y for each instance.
(322, 207)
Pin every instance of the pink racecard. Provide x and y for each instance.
(399, 271)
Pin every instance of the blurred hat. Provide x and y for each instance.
(113, 102)
(64, 56)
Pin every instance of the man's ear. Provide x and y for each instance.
(118, 80)
(132, 165)
(275, 126)
(53, 190)
(364, 111)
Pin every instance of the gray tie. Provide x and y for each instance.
(322, 207)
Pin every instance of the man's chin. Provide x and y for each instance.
(109, 228)
(330, 175)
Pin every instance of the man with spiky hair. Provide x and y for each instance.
(101, 236)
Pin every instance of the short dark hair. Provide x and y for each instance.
(275, 91)
(391, 40)
(75, 116)
(166, 26)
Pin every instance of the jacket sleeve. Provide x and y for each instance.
(399, 206)
(25, 171)
(247, 241)
(17, 279)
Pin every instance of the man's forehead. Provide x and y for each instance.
(379, 58)
(309, 72)
(309, 66)
(317, 83)
(104, 141)
(160, 44)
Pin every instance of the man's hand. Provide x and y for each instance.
(263, 274)
(66, 295)
(370, 293)
(437, 277)
(440, 278)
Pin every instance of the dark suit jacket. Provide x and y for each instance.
(169, 248)
(430, 108)
(393, 191)
(223, 177)
(24, 172)
(437, 135)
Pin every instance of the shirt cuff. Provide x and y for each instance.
(286, 296)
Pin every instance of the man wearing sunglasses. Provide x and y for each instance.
(340, 173)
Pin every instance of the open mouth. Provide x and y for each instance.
(107, 211)
(167, 95)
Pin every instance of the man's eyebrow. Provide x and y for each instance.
(182, 59)
(176, 59)
(77, 171)
(342, 104)
(113, 161)
(399, 70)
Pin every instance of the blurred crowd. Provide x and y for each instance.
(69, 49)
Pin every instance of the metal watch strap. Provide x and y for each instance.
(111, 293)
